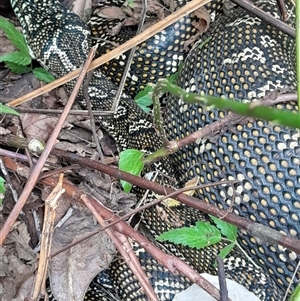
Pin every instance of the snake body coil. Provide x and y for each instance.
(244, 58)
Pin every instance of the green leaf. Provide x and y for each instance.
(17, 69)
(130, 3)
(17, 57)
(2, 189)
(130, 161)
(199, 236)
(224, 252)
(144, 102)
(204, 43)
(296, 294)
(14, 35)
(228, 230)
(144, 98)
(43, 74)
(148, 89)
(7, 110)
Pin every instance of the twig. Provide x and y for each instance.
(50, 206)
(282, 9)
(136, 268)
(146, 34)
(92, 120)
(222, 279)
(291, 282)
(10, 154)
(124, 249)
(129, 59)
(58, 112)
(267, 17)
(33, 144)
(40, 163)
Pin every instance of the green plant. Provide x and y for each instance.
(20, 61)
(204, 234)
(7, 110)
(2, 189)
(145, 97)
(131, 161)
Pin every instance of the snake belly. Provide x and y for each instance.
(49, 29)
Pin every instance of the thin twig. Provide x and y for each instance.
(266, 17)
(222, 279)
(129, 59)
(214, 128)
(58, 112)
(124, 249)
(92, 120)
(282, 9)
(50, 212)
(10, 154)
(297, 269)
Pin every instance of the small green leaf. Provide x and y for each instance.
(7, 110)
(144, 98)
(225, 251)
(144, 92)
(2, 189)
(144, 102)
(130, 3)
(14, 35)
(296, 294)
(228, 230)
(16, 57)
(199, 236)
(203, 43)
(43, 74)
(130, 161)
(17, 69)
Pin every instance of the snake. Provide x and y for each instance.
(241, 57)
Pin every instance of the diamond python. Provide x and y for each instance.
(245, 59)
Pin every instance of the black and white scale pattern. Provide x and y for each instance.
(244, 58)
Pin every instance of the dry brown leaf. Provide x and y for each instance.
(82, 8)
(72, 271)
(20, 237)
(201, 25)
(75, 135)
(81, 149)
(38, 125)
(17, 276)
(112, 12)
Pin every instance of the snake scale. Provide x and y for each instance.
(244, 58)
